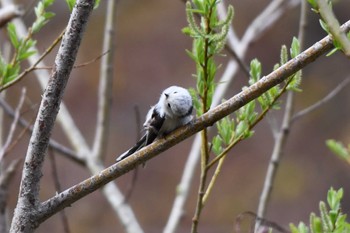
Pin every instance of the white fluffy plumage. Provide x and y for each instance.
(174, 109)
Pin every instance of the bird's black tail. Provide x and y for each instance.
(146, 139)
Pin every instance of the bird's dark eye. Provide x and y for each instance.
(169, 105)
(175, 92)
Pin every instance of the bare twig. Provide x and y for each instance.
(13, 125)
(53, 144)
(56, 181)
(132, 184)
(263, 221)
(75, 66)
(71, 195)
(106, 85)
(282, 134)
(6, 176)
(319, 103)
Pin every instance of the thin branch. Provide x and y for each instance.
(213, 179)
(239, 60)
(53, 144)
(71, 195)
(33, 66)
(56, 181)
(75, 66)
(13, 125)
(266, 223)
(321, 102)
(106, 85)
(132, 184)
(18, 138)
(265, 20)
(6, 176)
(275, 158)
(282, 134)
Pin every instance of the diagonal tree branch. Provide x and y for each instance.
(28, 201)
(71, 195)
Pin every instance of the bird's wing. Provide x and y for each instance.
(153, 127)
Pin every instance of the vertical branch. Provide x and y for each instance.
(94, 162)
(24, 219)
(205, 66)
(106, 84)
(282, 134)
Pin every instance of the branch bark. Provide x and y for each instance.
(71, 195)
(26, 211)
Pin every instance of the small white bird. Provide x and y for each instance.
(174, 109)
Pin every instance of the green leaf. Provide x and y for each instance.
(313, 3)
(217, 145)
(241, 129)
(333, 199)
(191, 55)
(97, 4)
(11, 72)
(70, 4)
(283, 55)
(315, 224)
(326, 221)
(226, 128)
(255, 71)
(196, 102)
(324, 26)
(11, 29)
(25, 55)
(338, 148)
(295, 48)
(293, 228)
